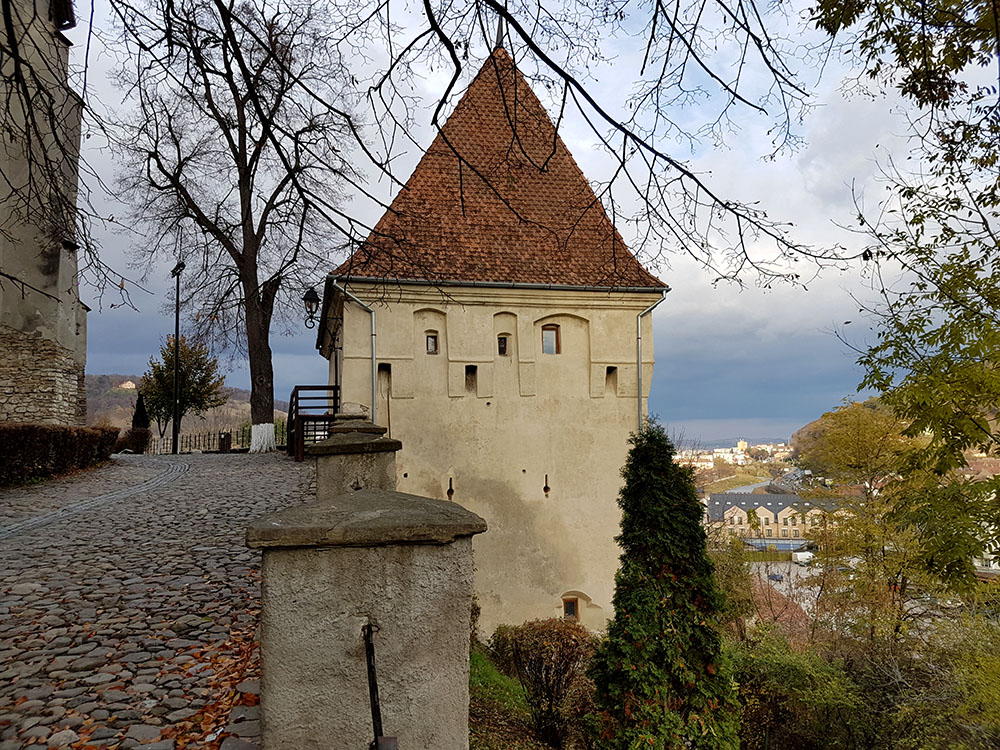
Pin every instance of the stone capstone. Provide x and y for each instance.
(365, 518)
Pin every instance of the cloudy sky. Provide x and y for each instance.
(732, 361)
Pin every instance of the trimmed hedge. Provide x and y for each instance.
(32, 451)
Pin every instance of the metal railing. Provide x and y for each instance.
(311, 411)
(222, 441)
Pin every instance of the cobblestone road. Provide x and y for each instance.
(121, 591)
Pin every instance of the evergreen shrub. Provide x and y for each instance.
(662, 680)
(137, 439)
(33, 451)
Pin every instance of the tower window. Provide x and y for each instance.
(571, 609)
(470, 378)
(611, 380)
(502, 346)
(432, 342)
(550, 340)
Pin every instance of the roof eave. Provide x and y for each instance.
(499, 284)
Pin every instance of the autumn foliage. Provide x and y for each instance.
(549, 658)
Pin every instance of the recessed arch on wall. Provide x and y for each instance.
(574, 604)
(430, 329)
(505, 335)
(557, 317)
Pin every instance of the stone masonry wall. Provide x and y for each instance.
(40, 381)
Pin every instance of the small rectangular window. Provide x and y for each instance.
(785, 522)
(784, 532)
(768, 533)
(732, 521)
(432, 343)
(502, 346)
(550, 340)
(570, 609)
(795, 532)
(470, 378)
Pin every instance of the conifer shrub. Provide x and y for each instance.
(137, 439)
(549, 659)
(662, 681)
(140, 417)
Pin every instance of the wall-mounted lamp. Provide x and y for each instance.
(311, 301)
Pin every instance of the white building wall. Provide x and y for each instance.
(529, 421)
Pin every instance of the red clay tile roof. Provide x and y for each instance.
(486, 205)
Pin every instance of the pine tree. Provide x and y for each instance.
(660, 676)
(140, 417)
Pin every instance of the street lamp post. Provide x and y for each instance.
(176, 273)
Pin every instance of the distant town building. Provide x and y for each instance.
(782, 521)
(128, 385)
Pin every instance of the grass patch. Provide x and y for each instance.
(732, 482)
(489, 684)
(498, 714)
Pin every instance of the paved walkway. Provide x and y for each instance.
(128, 603)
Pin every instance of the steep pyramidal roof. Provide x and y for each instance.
(498, 198)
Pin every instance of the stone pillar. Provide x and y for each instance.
(355, 456)
(399, 562)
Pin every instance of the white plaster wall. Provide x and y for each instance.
(315, 680)
(531, 416)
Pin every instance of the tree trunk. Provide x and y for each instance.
(261, 375)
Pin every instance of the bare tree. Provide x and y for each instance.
(720, 58)
(231, 160)
(233, 151)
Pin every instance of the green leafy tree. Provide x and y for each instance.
(661, 678)
(870, 551)
(861, 444)
(201, 386)
(933, 255)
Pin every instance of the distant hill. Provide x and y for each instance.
(107, 401)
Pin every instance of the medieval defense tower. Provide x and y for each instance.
(508, 325)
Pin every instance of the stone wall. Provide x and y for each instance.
(366, 568)
(40, 381)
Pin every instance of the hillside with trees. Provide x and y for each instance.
(108, 402)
